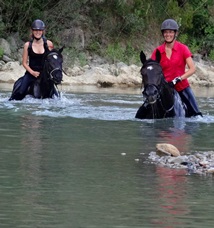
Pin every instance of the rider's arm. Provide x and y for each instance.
(50, 45)
(191, 68)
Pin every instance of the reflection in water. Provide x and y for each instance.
(180, 138)
(31, 127)
(61, 165)
(31, 157)
(180, 134)
(172, 189)
(176, 132)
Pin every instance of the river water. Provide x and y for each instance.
(82, 161)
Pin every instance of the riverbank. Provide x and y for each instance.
(106, 75)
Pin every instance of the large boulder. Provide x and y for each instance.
(164, 149)
(11, 71)
(5, 46)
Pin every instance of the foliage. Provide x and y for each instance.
(126, 54)
(118, 28)
(74, 56)
(190, 41)
(1, 53)
(211, 55)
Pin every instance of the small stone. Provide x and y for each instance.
(211, 170)
(176, 160)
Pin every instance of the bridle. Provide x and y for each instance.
(50, 73)
(157, 92)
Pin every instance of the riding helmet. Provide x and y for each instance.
(38, 25)
(169, 24)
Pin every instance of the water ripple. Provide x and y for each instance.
(94, 106)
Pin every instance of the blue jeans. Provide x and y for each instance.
(189, 100)
(27, 80)
(21, 86)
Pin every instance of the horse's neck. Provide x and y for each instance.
(167, 95)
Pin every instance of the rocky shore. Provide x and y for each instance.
(167, 155)
(106, 75)
(97, 72)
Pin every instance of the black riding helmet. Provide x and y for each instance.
(169, 24)
(38, 25)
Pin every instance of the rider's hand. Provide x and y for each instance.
(35, 73)
(176, 80)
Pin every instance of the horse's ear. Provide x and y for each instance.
(142, 57)
(158, 55)
(61, 49)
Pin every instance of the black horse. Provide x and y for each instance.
(161, 99)
(45, 86)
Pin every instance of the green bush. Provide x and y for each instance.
(211, 55)
(125, 53)
(74, 56)
(1, 53)
(115, 28)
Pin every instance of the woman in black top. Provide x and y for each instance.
(32, 57)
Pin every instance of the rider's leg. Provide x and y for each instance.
(26, 82)
(20, 88)
(188, 98)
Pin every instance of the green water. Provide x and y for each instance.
(83, 162)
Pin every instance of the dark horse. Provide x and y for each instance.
(161, 99)
(45, 86)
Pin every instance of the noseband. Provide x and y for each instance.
(155, 96)
(155, 90)
(50, 73)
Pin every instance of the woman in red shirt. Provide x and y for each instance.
(174, 58)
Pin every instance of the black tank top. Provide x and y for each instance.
(35, 60)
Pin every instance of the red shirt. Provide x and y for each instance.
(175, 66)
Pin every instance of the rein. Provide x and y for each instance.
(166, 110)
(53, 70)
(50, 73)
(159, 99)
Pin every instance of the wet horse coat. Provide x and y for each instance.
(161, 100)
(45, 85)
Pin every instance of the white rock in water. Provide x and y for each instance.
(211, 170)
(164, 149)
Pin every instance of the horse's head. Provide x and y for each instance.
(53, 65)
(152, 77)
